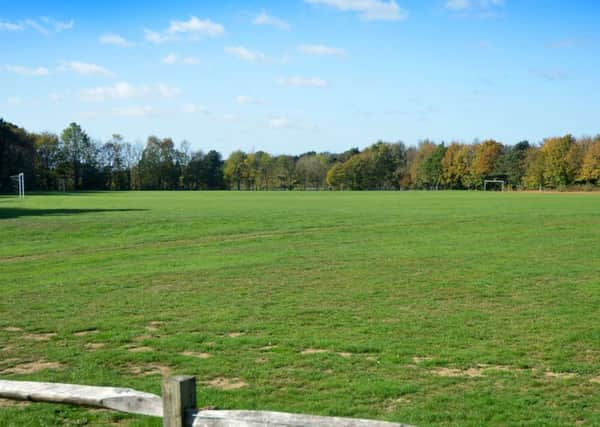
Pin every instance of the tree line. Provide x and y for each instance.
(73, 161)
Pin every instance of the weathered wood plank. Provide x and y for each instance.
(278, 419)
(179, 396)
(118, 399)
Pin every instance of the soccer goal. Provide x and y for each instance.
(18, 182)
(493, 183)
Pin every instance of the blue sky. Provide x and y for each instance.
(299, 75)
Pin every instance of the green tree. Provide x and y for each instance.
(557, 172)
(235, 169)
(534, 172)
(78, 157)
(590, 168)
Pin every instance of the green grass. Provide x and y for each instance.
(455, 279)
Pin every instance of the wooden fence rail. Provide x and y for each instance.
(177, 406)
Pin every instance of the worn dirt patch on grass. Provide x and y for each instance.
(475, 372)
(155, 325)
(94, 346)
(147, 370)
(40, 337)
(13, 329)
(560, 375)
(223, 383)
(235, 334)
(452, 372)
(421, 359)
(32, 367)
(199, 355)
(268, 347)
(595, 380)
(309, 351)
(142, 349)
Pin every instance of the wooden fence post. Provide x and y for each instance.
(179, 396)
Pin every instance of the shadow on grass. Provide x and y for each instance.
(11, 213)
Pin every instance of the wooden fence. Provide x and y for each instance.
(177, 406)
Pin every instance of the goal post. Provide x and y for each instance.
(487, 182)
(19, 184)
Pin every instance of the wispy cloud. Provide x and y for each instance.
(167, 91)
(193, 109)
(114, 40)
(244, 100)
(279, 123)
(483, 8)
(173, 58)
(86, 69)
(193, 29)
(246, 54)
(369, 10)
(27, 71)
(321, 50)
(303, 82)
(11, 26)
(43, 25)
(458, 4)
(124, 90)
(551, 75)
(264, 18)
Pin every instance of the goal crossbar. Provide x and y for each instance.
(493, 181)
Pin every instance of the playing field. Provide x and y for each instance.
(447, 308)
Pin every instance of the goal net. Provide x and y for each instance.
(18, 185)
(493, 185)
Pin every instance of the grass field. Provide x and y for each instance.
(448, 308)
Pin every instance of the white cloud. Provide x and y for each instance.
(204, 27)
(58, 26)
(124, 90)
(45, 25)
(27, 71)
(167, 91)
(134, 111)
(156, 37)
(11, 26)
(194, 28)
(303, 81)
(279, 123)
(246, 54)
(321, 50)
(458, 4)
(86, 69)
(369, 10)
(244, 100)
(265, 19)
(173, 58)
(484, 7)
(114, 40)
(193, 108)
